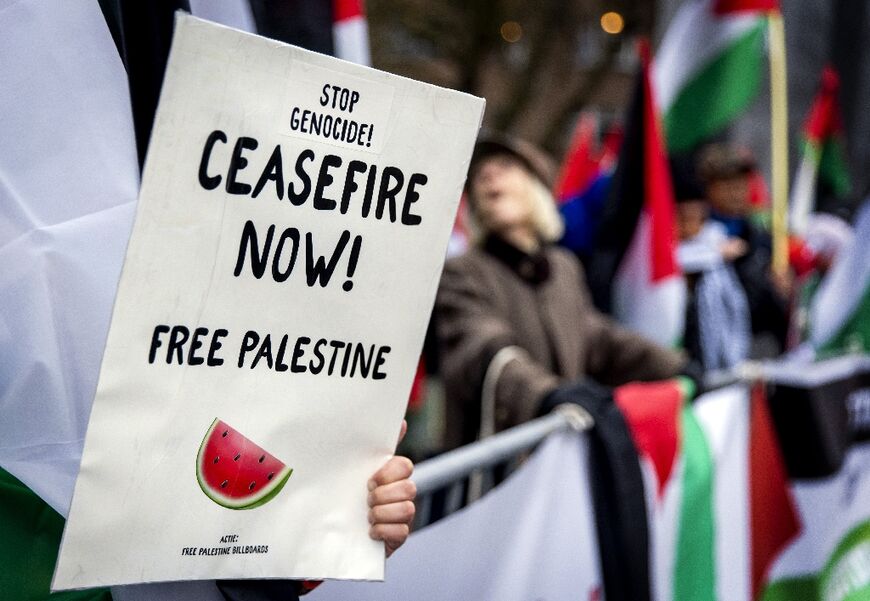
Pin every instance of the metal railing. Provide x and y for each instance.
(800, 374)
(466, 473)
(448, 472)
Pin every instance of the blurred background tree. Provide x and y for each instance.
(537, 64)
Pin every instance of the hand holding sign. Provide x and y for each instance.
(391, 499)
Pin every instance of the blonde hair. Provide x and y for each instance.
(546, 219)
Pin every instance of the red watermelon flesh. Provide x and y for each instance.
(235, 472)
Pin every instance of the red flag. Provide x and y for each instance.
(633, 271)
(652, 411)
(774, 520)
(346, 9)
(722, 7)
(659, 188)
(350, 31)
(824, 120)
(581, 163)
(418, 387)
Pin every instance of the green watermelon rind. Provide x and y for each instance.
(248, 502)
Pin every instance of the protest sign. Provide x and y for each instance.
(291, 227)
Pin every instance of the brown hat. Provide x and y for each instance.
(492, 144)
(723, 161)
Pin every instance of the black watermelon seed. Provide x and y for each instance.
(262, 457)
(269, 477)
(217, 457)
(236, 458)
(251, 487)
(224, 483)
(224, 435)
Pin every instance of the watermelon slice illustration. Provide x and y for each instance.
(235, 472)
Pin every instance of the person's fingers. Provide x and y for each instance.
(401, 512)
(391, 494)
(403, 490)
(403, 431)
(397, 468)
(393, 535)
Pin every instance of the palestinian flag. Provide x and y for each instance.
(831, 560)
(335, 27)
(823, 171)
(633, 272)
(719, 505)
(68, 190)
(80, 84)
(350, 32)
(826, 407)
(839, 319)
(31, 536)
(709, 67)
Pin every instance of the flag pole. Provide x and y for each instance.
(778, 141)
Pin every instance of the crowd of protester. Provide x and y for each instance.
(514, 328)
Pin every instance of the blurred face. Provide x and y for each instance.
(500, 194)
(690, 218)
(730, 196)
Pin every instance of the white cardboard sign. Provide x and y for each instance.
(291, 228)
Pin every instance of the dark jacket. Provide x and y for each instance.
(769, 311)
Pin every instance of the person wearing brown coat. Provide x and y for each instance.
(514, 319)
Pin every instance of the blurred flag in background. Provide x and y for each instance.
(709, 67)
(633, 273)
(822, 172)
(584, 181)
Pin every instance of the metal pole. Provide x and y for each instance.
(778, 142)
(447, 468)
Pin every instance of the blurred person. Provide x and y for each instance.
(726, 173)
(702, 240)
(514, 318)
(717, 330)
(826, 235)
(519, 337)
(692, 214)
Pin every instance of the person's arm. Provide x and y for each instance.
(481, 355)
(616, 354)
(768, 307)
(619, 355)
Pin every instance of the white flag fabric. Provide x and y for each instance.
(722, 418)
(831, 558)
(68, 184)
(232, 13)
(69, 179)
(840, 311)
(350, 32)
(725, 512)
(533, 537)
(708, 68)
